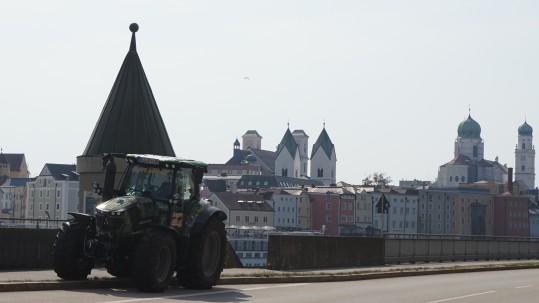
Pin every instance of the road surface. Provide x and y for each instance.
(496, 286)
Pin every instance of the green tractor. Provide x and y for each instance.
(155, 224)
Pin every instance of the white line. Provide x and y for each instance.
(206, 293)
(525, 286)
(462, 297)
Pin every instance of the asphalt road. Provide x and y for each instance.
(494, 286)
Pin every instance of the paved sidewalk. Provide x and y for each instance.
(26, 280)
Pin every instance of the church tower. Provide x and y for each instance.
(251, 139)
(324, 159)
(303, 145)
(287, 161)
(525, 156)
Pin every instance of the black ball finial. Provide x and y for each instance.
(133, 27)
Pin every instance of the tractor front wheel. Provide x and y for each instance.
(154, 261)
(69, 261)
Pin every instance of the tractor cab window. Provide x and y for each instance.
(184, 185)
(152, 182)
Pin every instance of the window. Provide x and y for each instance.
(58, 194)
(237, 218)
(246, 218)
(328, 206)
(343, 218)
(320, 173)
(57, 206)
(265, 219)
(328, 218)
(523, 168)
(474, 152)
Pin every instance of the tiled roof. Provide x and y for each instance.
(465, 160)
(289, 143)
(14, 160)
(16, 181)
(244, 166)
(265, 158)
(130, 121)
(238, 201)
(63, 171)
(325, 143)
(265, 181)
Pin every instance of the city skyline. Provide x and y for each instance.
(391, 81)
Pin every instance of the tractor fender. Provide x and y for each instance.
(82, 217)
(203, 217)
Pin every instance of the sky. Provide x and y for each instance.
(391, 80)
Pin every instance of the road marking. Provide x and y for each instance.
(463, 297)
(525, 286)
(206, 293)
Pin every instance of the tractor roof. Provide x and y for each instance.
(167, 161)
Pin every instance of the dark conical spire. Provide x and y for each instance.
(130, 121)
(324, 142)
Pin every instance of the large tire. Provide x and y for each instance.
(154, 261)
(69, 261)
(207, 252)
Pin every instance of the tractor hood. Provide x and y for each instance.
(121, 203)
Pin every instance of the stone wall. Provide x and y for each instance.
(310, 252)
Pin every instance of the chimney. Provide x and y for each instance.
(510, 180)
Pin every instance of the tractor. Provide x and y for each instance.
(152, 225)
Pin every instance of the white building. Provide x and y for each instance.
(525, 156)
(400, 216)
(53, 193)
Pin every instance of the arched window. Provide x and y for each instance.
(463, 179)
(285, 172)
(456, 178)
(320, 173)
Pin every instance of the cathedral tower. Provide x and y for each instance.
(525, 156)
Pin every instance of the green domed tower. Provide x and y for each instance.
(525, 156)
(469, 142)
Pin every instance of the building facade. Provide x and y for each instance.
(53, 193)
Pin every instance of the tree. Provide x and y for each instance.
(379, 179)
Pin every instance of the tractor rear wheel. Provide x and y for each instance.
(154, 261)
(69, 261)
(207, 251)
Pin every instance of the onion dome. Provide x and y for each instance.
(525, 130)
(469, 128)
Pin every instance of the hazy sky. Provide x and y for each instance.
(391, 79)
